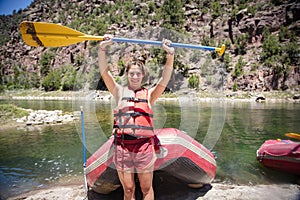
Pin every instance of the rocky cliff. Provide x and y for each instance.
(241, 28)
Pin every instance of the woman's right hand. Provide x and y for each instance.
(107, 40)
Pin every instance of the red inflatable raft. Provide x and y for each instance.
(181, 156)
(281, 155)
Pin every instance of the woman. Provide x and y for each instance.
(133, 120)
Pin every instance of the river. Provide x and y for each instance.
(36, 157)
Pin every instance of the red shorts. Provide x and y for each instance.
(133, 155)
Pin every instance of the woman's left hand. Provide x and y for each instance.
(166, 46)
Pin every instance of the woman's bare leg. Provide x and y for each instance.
(128, 183)
(146, 179)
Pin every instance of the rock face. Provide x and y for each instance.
(201, 25)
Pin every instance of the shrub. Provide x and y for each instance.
(235, 87)
(45, 62)
(194, 81)
(241, 44)
(173, 14)
(216, 9)
(227, 61)
(71, 79)
(238, 69)
(52, 81)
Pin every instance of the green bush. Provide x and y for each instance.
(216, 9)
(227, 62)
(52, 81)
(271, 46)
(241, 44)
(71, 79)
(45, 63)
(235, 87)
(2, 88)
(272, 52)
(173, 14)
(238, 69)
(194, 81)
(94, 79)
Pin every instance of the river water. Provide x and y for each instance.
(36, 157)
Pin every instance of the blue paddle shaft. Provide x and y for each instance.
(190, 46)
(83, 137)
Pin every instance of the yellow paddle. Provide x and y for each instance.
(55, 35)
(293, 135)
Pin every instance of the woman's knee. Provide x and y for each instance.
(146, 189)
(129, 189)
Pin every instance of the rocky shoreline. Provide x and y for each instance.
(193, 95)
(43, 117)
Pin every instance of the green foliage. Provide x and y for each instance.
(292, 51)
(194, 81)
(272, 51)
(278, 56)
(235, 87)
(283, 34)
(2, 88)
(241, 44)
(121, 66)
(94, 78)
(118, 79)
(227, 62)
(180, 66)
(10, 111)
(52, 81)
(252, 10)
(45, 63)
(206, 69)
(173, 14)
(71, 79)
(216, 9)
(238, 69)
(271, 47)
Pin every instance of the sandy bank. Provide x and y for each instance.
(216, 191)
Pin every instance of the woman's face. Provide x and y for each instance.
(135, 77)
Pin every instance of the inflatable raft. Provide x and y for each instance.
(180, 156)
(283, 155)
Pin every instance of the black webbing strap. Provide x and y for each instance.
(133, 126)
(133, 114)
(135, 100)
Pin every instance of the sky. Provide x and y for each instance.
(7, 6)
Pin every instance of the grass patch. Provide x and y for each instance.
(10, 111)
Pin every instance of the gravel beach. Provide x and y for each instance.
(216, 191)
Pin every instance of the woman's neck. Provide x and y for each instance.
(134, 88)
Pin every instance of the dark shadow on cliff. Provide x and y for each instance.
(165, 187)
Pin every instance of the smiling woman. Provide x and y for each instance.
(7, 7)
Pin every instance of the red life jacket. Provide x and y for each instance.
(134, 116)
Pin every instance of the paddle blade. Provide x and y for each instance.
(222, 50)
(51, 35)
(293, 135)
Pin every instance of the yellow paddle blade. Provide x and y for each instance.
(52, 35)
(293, 135)
(221, 50)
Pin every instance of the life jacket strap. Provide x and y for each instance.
(135, 100)
(133, 114)
(133, 126)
